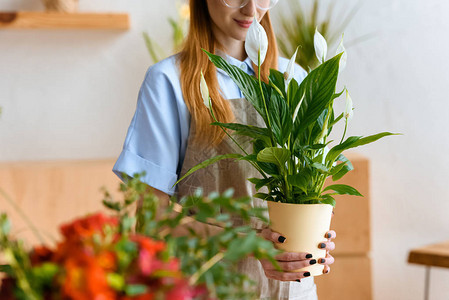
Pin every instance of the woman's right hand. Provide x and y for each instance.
(288, 261)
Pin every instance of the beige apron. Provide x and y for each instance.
(226, 174)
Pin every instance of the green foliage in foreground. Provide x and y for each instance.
(206, 258)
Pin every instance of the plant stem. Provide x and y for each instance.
(344, 133)
(263, 97)
(24, 217)
(209, 264)
(22, 279)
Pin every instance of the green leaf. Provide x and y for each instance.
(302, 180)
(7, 269)
(320, 167)
(293, 96)
(45, 272)
(246, 83)
(328, 199)
(246, 130)
(338, 149)
(343, 189)
(353, 142)
(259, 183)
(5, 224)
(341, 169)
(249, 157)
(135, 289)
(337, 171)
(318, 89)
(269, 168)
(278, 156)
(209, 162)
(372, 138)
(241, 247)
(277, 79)
(281, 119)
(262, 196)
(116, 206)
(116, 281)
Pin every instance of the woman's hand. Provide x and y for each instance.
(288, 261)
(329, 246)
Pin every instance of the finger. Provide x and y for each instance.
(295, 265)
(270, 235)
(286, 276)
(287, 266)
(330, 234)
(326, 261)
(333, 214)
(327, 245)
(267, 265)
(293, 256)
(326, 269)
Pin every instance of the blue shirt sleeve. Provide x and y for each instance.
(158, 132)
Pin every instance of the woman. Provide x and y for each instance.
(171, 130)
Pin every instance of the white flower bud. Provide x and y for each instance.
(290, 71)
(349, 109)
(204, 91)
(320, 46)
(344, 57)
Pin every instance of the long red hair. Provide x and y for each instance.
(192, 60)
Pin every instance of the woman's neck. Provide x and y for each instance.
(232, 47)
(236, 50)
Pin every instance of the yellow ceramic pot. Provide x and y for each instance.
(304, 226)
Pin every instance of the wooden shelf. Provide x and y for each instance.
(436, 255)
(55, 20)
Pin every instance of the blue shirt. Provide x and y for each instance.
(156, 141)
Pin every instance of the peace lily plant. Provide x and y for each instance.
(293, 152)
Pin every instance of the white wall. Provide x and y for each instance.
(71, 95)
(398, 82)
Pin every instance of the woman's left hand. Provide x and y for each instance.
(329, 246)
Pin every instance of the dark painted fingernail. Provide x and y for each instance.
(333, 213)
(322, 245)
(322, 260)
(306, 274)
(313, 261)
(309, 255)
(281, 239)
(297, 280)
(328, 235)
(327, 271)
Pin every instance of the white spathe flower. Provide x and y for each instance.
(344, 57)
(256, 42)
(295, 114)
(320, 46)
(204, 91)
(348, 109)
(290, 71)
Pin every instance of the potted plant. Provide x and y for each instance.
(293, 152)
